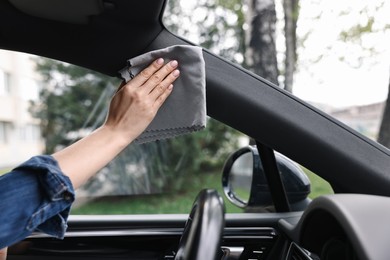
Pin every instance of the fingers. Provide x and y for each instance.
(136, 103)
(154, 82)
(159, 76)
(159, 85)
(153, 75)
(161, 98)
(163, 86)
(145, 75)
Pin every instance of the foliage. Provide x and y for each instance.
(217, 25)
(356, 31)
(179, 202)
(318, 185)
(360, 35)
(166, 165)
(165, 203)
(69, 94)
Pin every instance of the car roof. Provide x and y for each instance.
(121, 29)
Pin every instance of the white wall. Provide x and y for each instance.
(19, 132)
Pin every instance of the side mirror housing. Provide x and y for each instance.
(246, 186)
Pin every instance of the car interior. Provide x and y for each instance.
(351, 224)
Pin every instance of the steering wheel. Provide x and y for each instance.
(202, 233)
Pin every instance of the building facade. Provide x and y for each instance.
(366, 119)
(20, 136)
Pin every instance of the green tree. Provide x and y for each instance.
(70, 93)
(357, 35)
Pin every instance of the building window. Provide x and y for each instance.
(30, 89)
(30, 133)
(4, 131)
(5, 83)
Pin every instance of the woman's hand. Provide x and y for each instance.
(3, 254)
(132, 108)
(136, 103)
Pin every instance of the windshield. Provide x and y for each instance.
(50, 104)
(334, 55)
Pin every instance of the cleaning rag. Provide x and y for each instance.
(184, 111)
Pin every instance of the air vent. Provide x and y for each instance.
(297, 253)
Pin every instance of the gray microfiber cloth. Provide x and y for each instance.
(185, 109)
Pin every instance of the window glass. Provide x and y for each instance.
(319, 186)
(30, 133)
(341, 59)
(337, 58)
(159, 177)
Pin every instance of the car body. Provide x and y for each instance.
(101, 35)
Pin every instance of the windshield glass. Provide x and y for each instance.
(47, 105)
(334, 55)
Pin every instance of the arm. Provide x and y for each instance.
(132, 108)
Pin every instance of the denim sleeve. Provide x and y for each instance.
(35, 196)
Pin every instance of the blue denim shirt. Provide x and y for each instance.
(35, 196)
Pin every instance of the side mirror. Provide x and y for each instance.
(245, 185)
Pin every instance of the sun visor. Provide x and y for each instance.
(68, 11)
(185, 109)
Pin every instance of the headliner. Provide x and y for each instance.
(123, 30)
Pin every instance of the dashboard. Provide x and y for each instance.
(342, 226)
